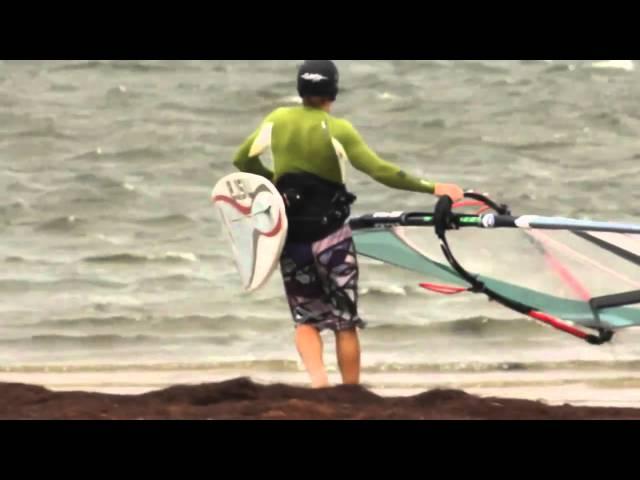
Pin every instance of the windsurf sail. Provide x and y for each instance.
(593, 293)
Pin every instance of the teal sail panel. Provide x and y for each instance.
(388, 246)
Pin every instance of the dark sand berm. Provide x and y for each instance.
(243, 399)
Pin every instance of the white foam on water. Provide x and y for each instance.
(111, 300)
(190, 257)
(626, 65)
(388, 96)
(384, 288)
(292, 99)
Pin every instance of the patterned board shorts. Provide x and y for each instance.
(321, 282)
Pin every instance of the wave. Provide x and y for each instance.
(33, 260)
(44, 131)
(626, 65)
(473, 367)
(20, 286)
(86, 322)
(482, 67)
(384, 290)
(61, 224)
(81, 196)
(132, 258)
(63, 87)
(142, 153)
(78, 65)
(622, 65)
(110, 341)
(183, 323)
(516, 330)
(436, 123)
(472, 326)
(204, 110)
(173, 281)
(175, 219)
(14, 208)
(605, 118)
(23, 186)
(292, 99)
(253, 365)
(560, 68)
(530, 145)
(509, 82)
(102, 182)
(132, 66)
(286, 365)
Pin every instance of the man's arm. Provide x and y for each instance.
(366, 161)
(244, 162)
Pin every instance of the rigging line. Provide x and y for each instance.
(586, 259)
(610, 247)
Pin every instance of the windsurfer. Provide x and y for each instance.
(311, 150)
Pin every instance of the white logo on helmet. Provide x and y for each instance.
(314, 77)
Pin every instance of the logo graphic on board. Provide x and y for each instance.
(253, 216)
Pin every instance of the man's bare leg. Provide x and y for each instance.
(348, 351)
(310, 348)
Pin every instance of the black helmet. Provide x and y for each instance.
(318, 78)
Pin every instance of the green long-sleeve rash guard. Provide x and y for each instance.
(309, 140)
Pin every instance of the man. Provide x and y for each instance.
(310, 151)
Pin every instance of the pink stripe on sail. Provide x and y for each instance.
(564, 272)
(545, 238)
